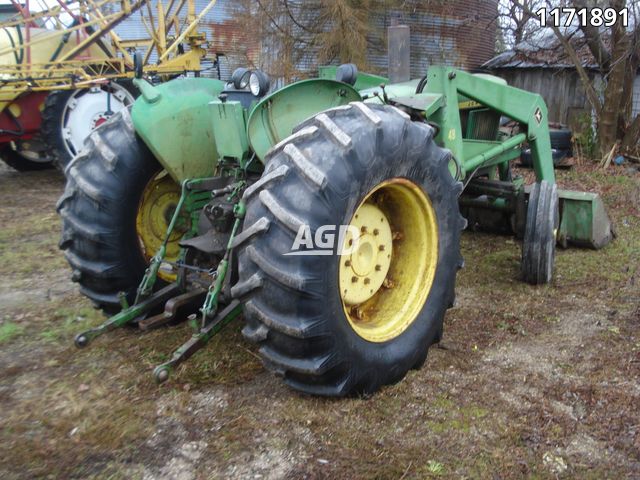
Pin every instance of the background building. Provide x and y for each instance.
(546, 69)
(461, 33)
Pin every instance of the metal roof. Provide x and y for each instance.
(545, 51)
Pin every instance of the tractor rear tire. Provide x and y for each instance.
(295, 309)
(539, 243)
(99, 207)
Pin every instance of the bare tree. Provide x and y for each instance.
(616, 54)
(517, 25)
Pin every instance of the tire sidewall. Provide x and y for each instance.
(420, 333)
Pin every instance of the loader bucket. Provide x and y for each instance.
(583, 220)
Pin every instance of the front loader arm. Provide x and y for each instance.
(525, 107)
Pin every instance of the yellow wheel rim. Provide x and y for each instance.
(388, 261)
(157, 205)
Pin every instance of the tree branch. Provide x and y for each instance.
(631, 136)
(296, 22)
(591, 93)
(278, 28)
(594, 40)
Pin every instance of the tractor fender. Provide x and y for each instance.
(275, 116)
(174, 121)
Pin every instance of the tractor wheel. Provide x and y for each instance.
(115, 211)
(27, 155)
(69, 116)
(358, 314)
(539, 244)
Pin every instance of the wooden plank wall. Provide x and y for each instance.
(560, 88)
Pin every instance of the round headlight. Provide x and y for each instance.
(240, 78)
(258, 83)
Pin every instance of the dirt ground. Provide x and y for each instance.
(528, 382)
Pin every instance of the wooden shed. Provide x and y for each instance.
(546, 70)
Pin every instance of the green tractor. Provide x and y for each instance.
(327, 214)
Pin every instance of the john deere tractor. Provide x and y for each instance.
(327, 214)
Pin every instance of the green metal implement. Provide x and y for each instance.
(584, 220)
(198, 340)
(146, 300)
(213, 139)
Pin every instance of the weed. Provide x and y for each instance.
(9, 331)
(435, 467)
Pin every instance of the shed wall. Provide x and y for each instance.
(560, 88)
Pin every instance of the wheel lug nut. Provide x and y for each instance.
(378, 268)
(367, 281)
(354, 279)
(381, 248)
(347, 263)
(376, 231)
(363, 229)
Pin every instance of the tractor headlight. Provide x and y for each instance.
(347, 73)
(259, 83)
(240, 78)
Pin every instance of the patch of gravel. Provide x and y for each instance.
(543, 354)
(209, 402)
(182, 466)
(268, 463)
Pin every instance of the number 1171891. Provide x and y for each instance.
(595, 17)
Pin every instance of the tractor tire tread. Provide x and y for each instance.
(290, 326)
(51, 113)
(313, 366)
(538, 246)
(98, 209)
(285, 313)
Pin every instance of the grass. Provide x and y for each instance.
(522, 371)
(9, 331)
(68, 321)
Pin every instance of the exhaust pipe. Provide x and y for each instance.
(399, 53)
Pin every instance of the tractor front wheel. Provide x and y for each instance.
(369, 196)
(539, 243)
(115, 211)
